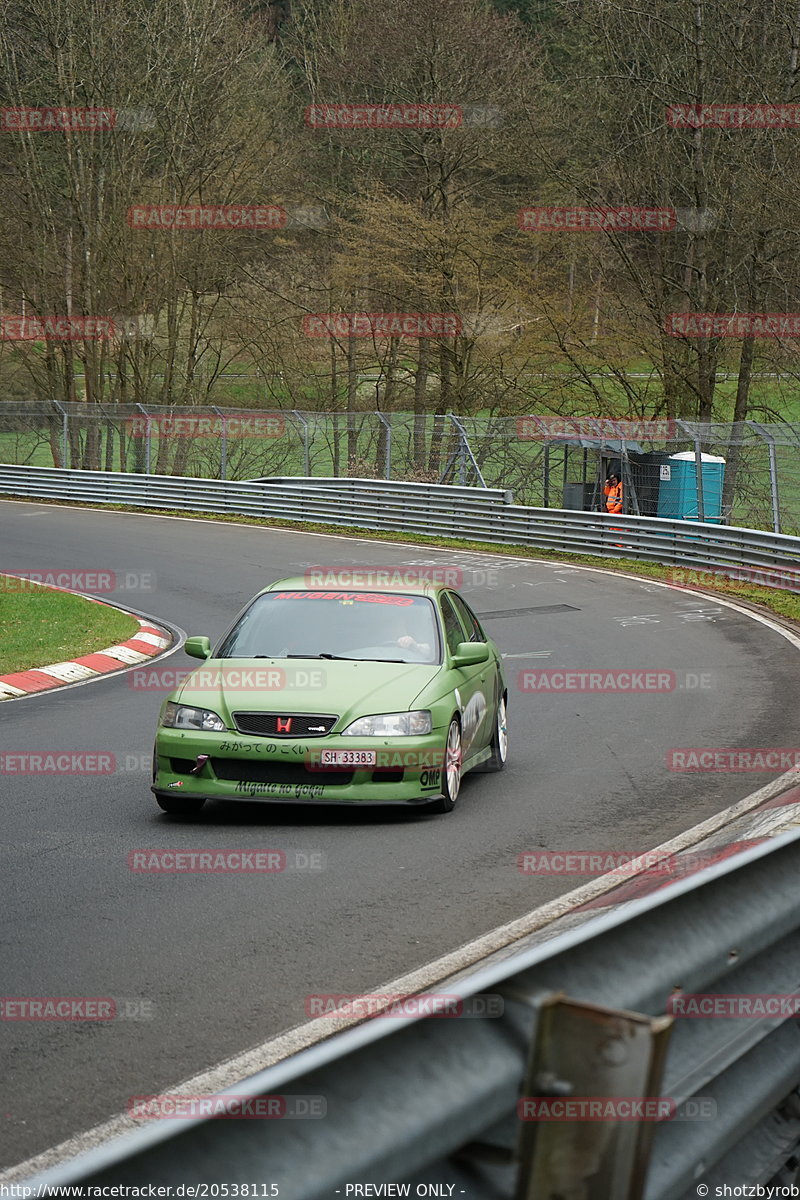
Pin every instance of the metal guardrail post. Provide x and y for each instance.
(306, 456)
(223, 463)
(64, 433)
(582, 1051)
(625, 468)
(698, 460)
(147, 443)
(465, 452)
(773, 473)
(773, 478)
(387, 424)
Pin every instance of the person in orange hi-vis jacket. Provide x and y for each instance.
(613, 494)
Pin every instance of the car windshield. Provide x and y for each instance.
(374, 626)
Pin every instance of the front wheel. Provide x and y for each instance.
(180, 806)
(451, 773)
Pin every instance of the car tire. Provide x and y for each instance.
(499, 743)
(180, 806)
(451, 770)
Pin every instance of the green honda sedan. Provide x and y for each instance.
(327, 696)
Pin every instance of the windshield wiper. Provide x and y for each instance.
(338, 657)
(386, 660)
(349, 658)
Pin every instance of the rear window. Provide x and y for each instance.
(369, 626)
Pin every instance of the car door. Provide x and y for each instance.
(491, 678)
(471, 682)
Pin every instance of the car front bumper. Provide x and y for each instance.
(242, 767)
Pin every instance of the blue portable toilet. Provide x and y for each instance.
(677, 492)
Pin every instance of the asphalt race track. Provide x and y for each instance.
(214, 964)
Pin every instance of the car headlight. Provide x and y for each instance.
(182, 716)
(402, 724)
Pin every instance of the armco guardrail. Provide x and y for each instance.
(411, 1100)
(478, 514)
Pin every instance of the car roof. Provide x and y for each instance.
(299, 583)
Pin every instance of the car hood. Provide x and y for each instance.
(348, 689)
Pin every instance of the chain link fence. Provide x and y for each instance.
(749, 473)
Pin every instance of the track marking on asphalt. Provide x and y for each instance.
(523, 612)
(638, 619)
(530, 654)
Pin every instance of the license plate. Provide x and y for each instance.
(347, 758)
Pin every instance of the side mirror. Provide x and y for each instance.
(197, 647)
(470, 654)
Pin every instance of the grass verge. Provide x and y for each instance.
(40, 625)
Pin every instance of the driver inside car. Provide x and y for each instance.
(400, 629)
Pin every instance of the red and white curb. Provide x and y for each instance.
(149, 641)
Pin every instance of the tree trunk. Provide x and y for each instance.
(740, 408)
(352, 402)
(420, 401)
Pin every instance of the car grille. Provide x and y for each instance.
(305, 725)
(276, 772)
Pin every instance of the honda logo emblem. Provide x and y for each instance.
(284, 725)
